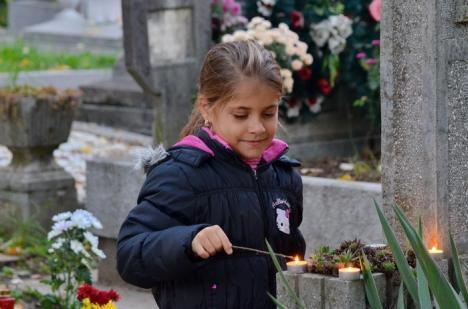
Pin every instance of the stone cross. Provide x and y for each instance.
(424, 92)
(164, 43)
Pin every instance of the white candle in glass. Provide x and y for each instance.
(349, 273)
(296, 266)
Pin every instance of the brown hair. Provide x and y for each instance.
(224, 67)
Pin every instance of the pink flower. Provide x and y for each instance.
(227, 5)
(370, 61)
(376, 42)
(297, 19)
(235, 9)
(375, 9)
(361, 55)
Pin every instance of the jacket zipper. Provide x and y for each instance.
(262, 206)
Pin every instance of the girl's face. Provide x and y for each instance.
(248, 122)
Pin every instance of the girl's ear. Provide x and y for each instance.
(204, 107)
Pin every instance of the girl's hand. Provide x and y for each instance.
(209, 241)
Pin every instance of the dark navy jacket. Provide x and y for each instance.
(191, 189)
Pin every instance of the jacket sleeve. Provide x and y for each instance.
(154, 242)
(297, 245)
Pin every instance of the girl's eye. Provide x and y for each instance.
(269, 115)
(240, 117)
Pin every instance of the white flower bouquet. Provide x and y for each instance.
(290, 53)
(73, 253)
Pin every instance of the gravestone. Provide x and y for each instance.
(70, 31)
(23, 13)
(424, 82)
(118, 102)
(165, 42)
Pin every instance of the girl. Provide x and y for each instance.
(225, 183)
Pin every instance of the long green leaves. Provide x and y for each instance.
(291, 292)
(457, 269)
(405, 270)
(401, 297)
(369, 283)
(423, 287)
(440, 287)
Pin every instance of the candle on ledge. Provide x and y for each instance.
(296, 266)
(349, 273)
(436, 254)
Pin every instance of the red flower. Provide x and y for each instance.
(292, 102)
(312, 101)
(305, 73)
(297, 19)
(324, 86)
(96, 296)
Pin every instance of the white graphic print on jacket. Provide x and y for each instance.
(283, 209)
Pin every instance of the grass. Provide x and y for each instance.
(19, 57)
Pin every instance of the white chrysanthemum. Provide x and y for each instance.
(227, 38)
(288, 83)
(92, 239)
(302, 46)
(58, 228)
(61, 216)
(290, 50)
(308, 59)
(285, 73)
(98, 252)
(283, 27)
(58, 244)
(240, 35)
(296, 65)
(320, 33)
(76, 246)
(336, 44)
(84, 219)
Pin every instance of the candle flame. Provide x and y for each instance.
(434, 248)
(296, 258)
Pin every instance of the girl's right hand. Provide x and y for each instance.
(209, 241)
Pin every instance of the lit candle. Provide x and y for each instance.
(349, 273)
(296, 266)
(436, 254)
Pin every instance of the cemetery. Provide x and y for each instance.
(374, 106)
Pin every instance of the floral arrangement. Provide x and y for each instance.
(290, 53)
(93, 298)
(226, 17)
(334, 31)
(73, 253)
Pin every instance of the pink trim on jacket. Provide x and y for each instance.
(276, 147)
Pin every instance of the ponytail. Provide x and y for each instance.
(195, 123)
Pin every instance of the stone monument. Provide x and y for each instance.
(165, 42)
(424, 82)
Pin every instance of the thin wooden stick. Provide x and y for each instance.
(262, 252)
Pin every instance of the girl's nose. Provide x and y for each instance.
(257, 127)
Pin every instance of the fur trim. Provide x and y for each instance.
(149, 156)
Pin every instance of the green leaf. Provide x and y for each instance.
(401, 297)
(369, 284)
(405, 270)
(276, 301)
(423, 288)
(440, 287)
(282, 278)
(457, 269)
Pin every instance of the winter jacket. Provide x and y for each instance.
(192, 187)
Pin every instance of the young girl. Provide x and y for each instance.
(225, 183)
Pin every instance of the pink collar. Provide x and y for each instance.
(272, 152)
